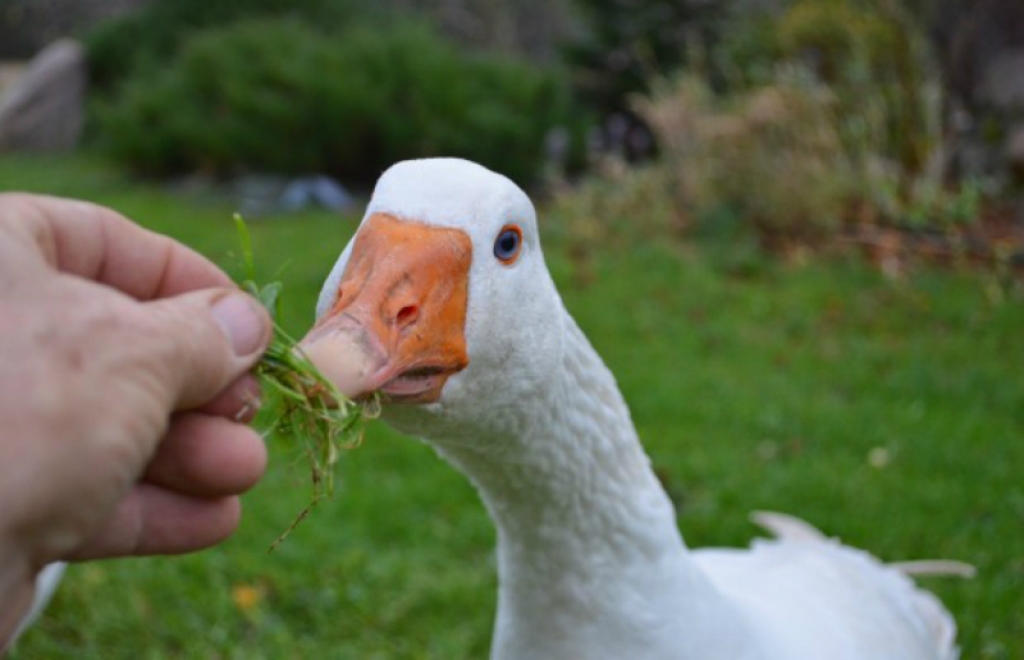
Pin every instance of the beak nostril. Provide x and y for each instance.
(407, 315)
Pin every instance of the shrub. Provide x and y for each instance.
(779, 157)
(281, 96)
(152, 35)
(857, 135)
(772, 155)
(875, 58)
(616, 204)
(878, 60)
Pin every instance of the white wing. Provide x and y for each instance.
(816, 598)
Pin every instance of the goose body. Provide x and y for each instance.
(443, 303)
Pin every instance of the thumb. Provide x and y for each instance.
(207, 340)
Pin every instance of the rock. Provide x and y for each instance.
(44, 109)
(320, 190)
(266, 194)
(9, 73)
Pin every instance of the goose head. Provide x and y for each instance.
(441, 301)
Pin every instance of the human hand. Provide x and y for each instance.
(123, 393)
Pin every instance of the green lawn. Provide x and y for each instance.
(766, 386)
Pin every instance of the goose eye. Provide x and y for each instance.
(507, 244)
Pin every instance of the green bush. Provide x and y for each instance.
(281, 96)
(153, 34)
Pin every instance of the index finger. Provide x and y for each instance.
(99, 244)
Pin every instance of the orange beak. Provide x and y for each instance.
(398, 322)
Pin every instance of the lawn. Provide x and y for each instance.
(890, 414)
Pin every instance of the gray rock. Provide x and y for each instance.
(44, 109)
(266, 194)
(319, 190)
(9, 73)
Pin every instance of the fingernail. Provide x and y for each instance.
(242, 322)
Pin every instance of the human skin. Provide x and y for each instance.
(124, 393)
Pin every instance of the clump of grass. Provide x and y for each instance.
(310, 411)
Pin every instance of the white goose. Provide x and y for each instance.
(443, 302)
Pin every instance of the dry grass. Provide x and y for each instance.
(773, 155)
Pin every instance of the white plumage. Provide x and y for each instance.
(591, 562)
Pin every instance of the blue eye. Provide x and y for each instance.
(507, 244)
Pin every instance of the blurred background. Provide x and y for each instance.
(893, 113)
(794, 229)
